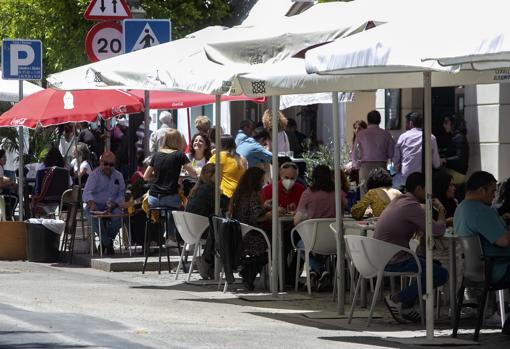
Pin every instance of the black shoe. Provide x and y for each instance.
(324, 281)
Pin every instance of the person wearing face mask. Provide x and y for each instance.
(289, 194)
(289, 191)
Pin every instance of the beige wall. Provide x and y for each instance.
(358, 110)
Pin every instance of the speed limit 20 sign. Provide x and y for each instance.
(104, 40)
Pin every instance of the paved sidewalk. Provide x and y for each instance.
(44, 306)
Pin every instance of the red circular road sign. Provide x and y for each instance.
(104, 40)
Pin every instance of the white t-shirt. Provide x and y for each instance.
(283, 142)
(83, 166)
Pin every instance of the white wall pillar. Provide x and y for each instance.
(486, 111)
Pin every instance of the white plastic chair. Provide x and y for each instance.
(370, 257)
(191, 227)
(317, 238)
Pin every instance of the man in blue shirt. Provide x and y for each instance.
(104, 192)
(245, 130)
(252, 148)
(474, 216)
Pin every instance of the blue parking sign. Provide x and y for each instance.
(144, 33)
(22, 59)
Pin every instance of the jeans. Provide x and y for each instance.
(173, 202)
(316, 264)
(409, 294)
(109, 226)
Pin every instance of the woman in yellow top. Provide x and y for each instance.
(233, 167)
(378, 196)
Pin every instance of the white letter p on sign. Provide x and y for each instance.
(17, 61)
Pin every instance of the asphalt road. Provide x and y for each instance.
(43, 306)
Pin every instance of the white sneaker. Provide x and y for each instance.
(171, 243)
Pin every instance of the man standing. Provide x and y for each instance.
(252, 148)
(104, 192)
(407, 157)
(158, 137)
(372, 148)
(398, 223)
(475, 217)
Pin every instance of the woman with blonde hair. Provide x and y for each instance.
(233, 167)
(163, 171)
(283, 140)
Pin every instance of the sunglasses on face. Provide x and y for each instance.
(110, 164)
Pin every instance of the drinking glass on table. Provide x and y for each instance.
(291, 209)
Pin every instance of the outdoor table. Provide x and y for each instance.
(281, 259)
(100, 215)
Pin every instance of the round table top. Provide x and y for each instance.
(104, 214)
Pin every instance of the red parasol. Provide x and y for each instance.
(53, 107)
(177, 100)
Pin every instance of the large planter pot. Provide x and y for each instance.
(13, 241)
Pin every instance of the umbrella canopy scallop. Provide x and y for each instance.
(54, 107)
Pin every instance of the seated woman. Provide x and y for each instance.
(164, 171)
(201, 197)
(245, 206)
(318, 201)
(199, 154)
(443, 189)
(232, 168)
(81, 165)
(200, 151)
(379, 194)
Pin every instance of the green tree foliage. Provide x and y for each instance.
(188, 16)
(59, 24)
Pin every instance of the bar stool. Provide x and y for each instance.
(162, 213)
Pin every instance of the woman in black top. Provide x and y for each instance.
(163, 172)
(201, 197)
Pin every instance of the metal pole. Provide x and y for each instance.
(147, 122)
(429, 295)
(217, 166)
(340, 260)
(21, 174)
(275, 224)
(217, 173)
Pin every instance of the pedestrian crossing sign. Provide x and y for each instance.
(144, 33)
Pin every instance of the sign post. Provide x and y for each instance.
(21, 59)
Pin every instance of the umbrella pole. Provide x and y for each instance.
(429, 296)
(275, 223)
(21, 174)
(217, 173)
(340, 260)
(146, 122)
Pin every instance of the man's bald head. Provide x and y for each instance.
(107, 162)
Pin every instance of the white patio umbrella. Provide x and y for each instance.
(396, 50)
(9, 89)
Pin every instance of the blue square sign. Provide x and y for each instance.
(22, 59)
(144, 33)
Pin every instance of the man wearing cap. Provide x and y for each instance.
(104, 192)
